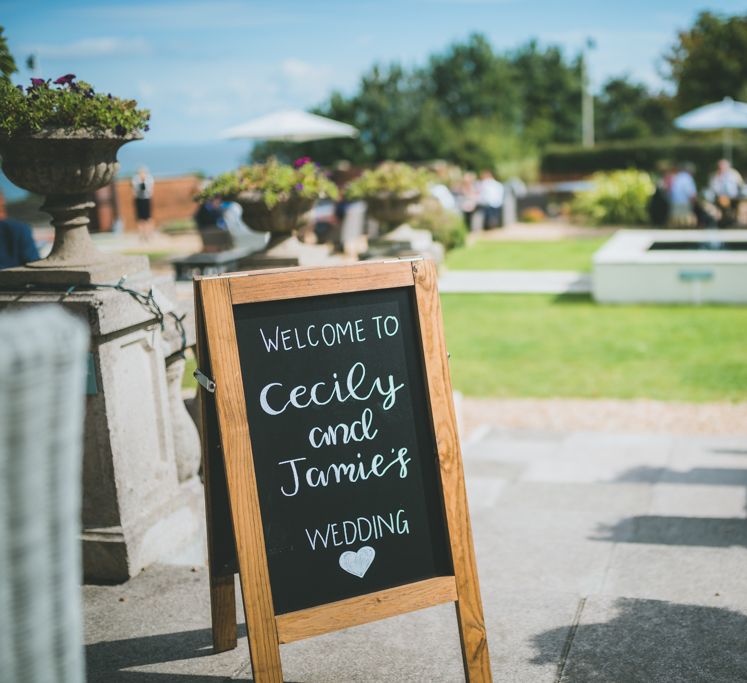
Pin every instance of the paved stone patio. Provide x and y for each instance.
(613, 557)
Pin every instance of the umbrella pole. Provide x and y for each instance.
(728, 145)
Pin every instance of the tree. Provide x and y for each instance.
(395, 117)
(626, 110)
(467, 104)
(7, 63)
(468, 80)
(707, 63)
(550, 93)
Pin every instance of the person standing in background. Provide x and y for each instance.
(682, 197)
(726, 184)
(468, 196)
(142, 188)
(490, 199)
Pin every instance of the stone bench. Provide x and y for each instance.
(209, 262)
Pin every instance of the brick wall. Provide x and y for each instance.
(172, 200)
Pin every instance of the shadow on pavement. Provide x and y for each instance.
(107, 661)
(148, 677)
(729, 451)
(709, 532)
(649, 640)
(708, 476)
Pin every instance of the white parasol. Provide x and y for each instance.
(290, 126)
(725, 115)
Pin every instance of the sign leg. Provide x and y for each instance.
(221, 549)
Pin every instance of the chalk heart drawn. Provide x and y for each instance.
(358, 563)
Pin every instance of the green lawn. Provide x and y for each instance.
(188, 381)
(542, 255)
(545, 346)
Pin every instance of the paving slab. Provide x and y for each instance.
(514, 282)
(698, 500)
(626, 640)
(687, 574)
(155, 627)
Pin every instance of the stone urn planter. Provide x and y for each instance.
(66, 166)
(391, 209)
(281, 221)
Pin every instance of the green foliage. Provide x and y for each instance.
(645, 155)
(707, 63)
(274, 181)
(7, 63)
(480, 108)
(468, 105)
(547, 346)
(469, 80)
(390, 177)
(71, 104)
(550, 92)
(447, 227)
(625, 110)
(618, 198)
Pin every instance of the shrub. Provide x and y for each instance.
(446, 227)
(644, 154)
(71, 104)
(617, 198)
(275, 182)
(390, 177)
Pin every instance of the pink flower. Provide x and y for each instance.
(67, 79)
(37, 82)
(301, 161)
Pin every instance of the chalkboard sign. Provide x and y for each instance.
(341, 474)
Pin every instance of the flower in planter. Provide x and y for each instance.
(70, 105)
(273, 182)
(391, 178)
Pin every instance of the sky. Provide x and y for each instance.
(201, 67)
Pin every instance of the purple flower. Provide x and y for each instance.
(120, 129)
(37, 82)
(301, 161)
(299, 186)
(67, 79)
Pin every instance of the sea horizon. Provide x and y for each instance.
(165, 160)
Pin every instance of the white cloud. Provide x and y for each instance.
(223, 93)
(103, 46)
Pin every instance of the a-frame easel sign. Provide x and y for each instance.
(334, 479)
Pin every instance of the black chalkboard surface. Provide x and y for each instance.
(346, 465)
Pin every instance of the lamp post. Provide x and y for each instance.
(587, 99)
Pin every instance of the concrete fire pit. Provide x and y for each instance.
(672, 266)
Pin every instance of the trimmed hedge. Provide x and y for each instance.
(645, 155)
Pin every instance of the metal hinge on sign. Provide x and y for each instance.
(204, 381)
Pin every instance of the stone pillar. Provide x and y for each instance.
(139, 505)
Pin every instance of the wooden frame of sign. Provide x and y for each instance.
(236, 538)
